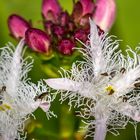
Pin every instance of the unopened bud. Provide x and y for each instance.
(105, 13)
(37, 40)
(17, 26)
(51, 10)
(66, 46)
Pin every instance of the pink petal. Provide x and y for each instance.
(45, 106)
(105, 13)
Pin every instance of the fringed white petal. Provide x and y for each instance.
(15, 68)
(96, 49)
(130, 111)
(126, 82)
(18, 97)
(94, 37)
(62, 84)
(102, 52)
(17, 53)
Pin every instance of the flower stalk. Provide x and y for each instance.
(100, 129)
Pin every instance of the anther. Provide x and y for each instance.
(1, 102)
(104, 74)
(110, 90)
(113, 73)
(122, 70)
(125, 99)
(137, 84)
(3, 88)
(138, 79)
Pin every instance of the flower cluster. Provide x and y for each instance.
(61, 28)
(105, 85)
(19, 97)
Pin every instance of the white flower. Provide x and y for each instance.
(19, 97)
(107, 82)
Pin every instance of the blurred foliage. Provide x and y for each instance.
(66, 125)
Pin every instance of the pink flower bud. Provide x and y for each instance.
(58, 31)
(71, 26)
(105, 13)
(17, 26)
(81, 35)
(66, 46)
(37, 40)
(64, 18)
(51, 10)
(77, 12)
(48, 27)
(87, 6)
(84, 21)
(82, 8)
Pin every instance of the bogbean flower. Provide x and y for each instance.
(105, 85)
(19, 97)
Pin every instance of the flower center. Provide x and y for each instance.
(5, 107)
(110, 89)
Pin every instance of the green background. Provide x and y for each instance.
(66, 125)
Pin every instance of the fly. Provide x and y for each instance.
(41, 96)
